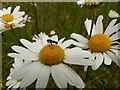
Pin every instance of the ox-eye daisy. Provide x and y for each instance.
(46, 56)
(25, 19)
(11, 19)
(103, 44)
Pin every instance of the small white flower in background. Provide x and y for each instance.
(25, 19)
(113, 14)
(11, 19)
(88, 2)
(46, 56)
(102, 45)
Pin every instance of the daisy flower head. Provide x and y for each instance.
(11, 19)
(102, 44)
(88, 2)
(113, 14)
(25, 19)
(5, 27)
(45, 56)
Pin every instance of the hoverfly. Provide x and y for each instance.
(51, 42)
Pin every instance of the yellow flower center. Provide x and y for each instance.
(99, 43)
(8, 26)
(7, 17)
(23, 20)
(51, 55)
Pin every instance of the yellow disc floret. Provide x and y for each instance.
(7, 17)
(8, 26)
(51, 55)
(99, 43)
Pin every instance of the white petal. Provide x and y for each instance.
(61, 41)
(88, 24)
(10, 82)
(76, 52)
(117, 52)
(16, 10)
(1, 13)
(58, 76)
(115, 46)
(9, 77)
(44, 38)
(113, 57)
(43, 77)
(9, 9)
(5, 11)
(35, 47)
(98, 61)
(23, 53)
(99, 25)
(54, 38)
(66, 43)
(79, 61)
(16, 85)
(19, 14)
(79, 38)
(115, 36)
(18, 62)
(110, 26)
(20, 73)
(76, 56)
(12, 70)
(72, 77)
(30, 77)
(116, 42)
(15, 66)
(16, 21)
(19, 25)
(79, 44)
(107, 59)
(11, 86)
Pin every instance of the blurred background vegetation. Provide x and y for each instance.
(64, 19)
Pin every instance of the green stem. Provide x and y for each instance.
(36, 19)
(87, 74)
(92, 23)
(14, 34)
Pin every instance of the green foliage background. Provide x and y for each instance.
(64, 18)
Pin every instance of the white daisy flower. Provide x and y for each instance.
(5, 27)
(25, 19)
(103, 44)
(46, 55)
(113, 14)
(88, 2)
(11, 19)
(7, 17)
